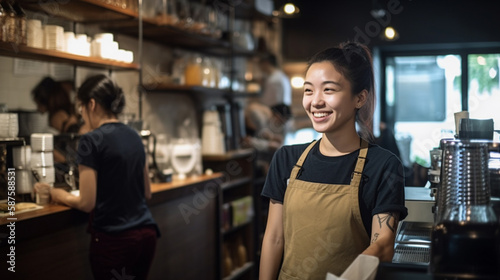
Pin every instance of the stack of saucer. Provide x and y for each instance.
(42, 156)
(54, 37)
(9, 125)
(21, 157)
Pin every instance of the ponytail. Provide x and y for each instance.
(105, 92)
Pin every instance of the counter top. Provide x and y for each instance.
(53, 242)
(160, 187)
(156, 189)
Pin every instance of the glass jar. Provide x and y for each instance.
(9, 24)
(166, 13)
(21, 27)
(193, 71)
(2, 21)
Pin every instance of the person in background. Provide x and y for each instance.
(265, 128)
(387, 140)
(114, 185)
(340, 196)
(53, 97)
(276, 88)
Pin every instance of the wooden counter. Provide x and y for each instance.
(52, 243)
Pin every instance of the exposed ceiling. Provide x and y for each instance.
(322, 24)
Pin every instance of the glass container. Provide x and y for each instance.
(2, 21)
(21, 26)
(193, 73)
(9, 23)
(166, 12)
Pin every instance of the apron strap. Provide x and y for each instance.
(298, 166)
(358, 170)
(360, 164)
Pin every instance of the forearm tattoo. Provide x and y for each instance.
(389, 219)
(375, 237)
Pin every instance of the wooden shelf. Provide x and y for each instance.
(243, 10)
(170, 35)
(83, 11)
(173, 36)
(235, 183)
(235, 154)
(19, 51)
(199, 90)
(125, 21)
(15, 141)
(167, 88)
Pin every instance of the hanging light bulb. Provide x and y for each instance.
(287, 10)
(390, 33)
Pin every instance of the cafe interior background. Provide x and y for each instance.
(443, 59)
(439, 58)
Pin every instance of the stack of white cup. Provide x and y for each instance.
(9, 125)
(21, 157)
(212, 135)
(54, 37)
(42, 162)
(104, 46)
(35, 33)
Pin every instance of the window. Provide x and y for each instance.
(484, 87)
(423, 92)
(422, 89)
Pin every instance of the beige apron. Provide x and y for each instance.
(322, 224)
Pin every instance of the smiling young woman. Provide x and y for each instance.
(340, 196)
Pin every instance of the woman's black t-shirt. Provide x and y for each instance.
(116, 152)
(382, 184)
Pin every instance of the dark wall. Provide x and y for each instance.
(326, 23)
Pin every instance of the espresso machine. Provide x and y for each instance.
(465, 236)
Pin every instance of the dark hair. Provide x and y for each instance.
(105, 92)
(283, 110)
(271, 58)
(354, 61)
(52, 95)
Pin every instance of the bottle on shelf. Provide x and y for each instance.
(21, 27)
(166, 13)
(9, 23)
(35, 33)
(242, 252)
(2, 21)
(193, 71)
(228, 262)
